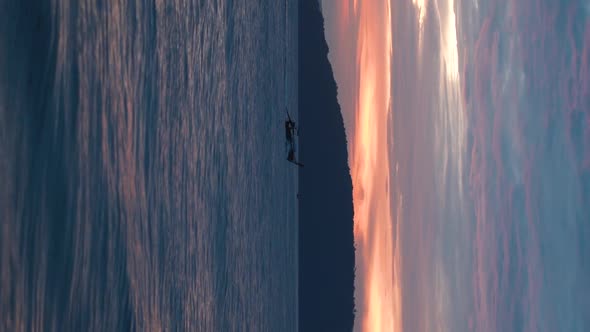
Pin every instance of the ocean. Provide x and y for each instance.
(143, 180)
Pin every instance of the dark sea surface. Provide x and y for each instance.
(143, 181)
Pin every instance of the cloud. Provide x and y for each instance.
(525, 162)
(359, 35)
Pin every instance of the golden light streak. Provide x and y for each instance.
(449, 50)
(451, 123)
(380, 293)
(421, 5)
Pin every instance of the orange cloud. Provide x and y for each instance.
(379, 293)
(360, 38)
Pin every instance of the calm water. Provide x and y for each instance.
(143, 179)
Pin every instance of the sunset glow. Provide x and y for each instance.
(485, 122)
(449, 51)
(378, 299)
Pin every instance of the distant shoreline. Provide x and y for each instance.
(326, 241)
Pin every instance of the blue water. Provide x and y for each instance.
(144, 181)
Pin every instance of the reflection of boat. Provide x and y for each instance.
(290, 132)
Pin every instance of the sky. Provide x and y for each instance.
(364, 82)
(468, 127)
